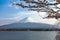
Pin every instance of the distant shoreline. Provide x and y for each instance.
(30, 29)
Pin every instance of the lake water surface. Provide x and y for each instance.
(27, 35)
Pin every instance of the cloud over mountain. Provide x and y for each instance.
(30, 16)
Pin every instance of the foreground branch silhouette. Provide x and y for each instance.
(41, 6)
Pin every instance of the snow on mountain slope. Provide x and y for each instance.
(32, 20)
(27, 19)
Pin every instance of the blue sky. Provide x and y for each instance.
(6, 10)
(9, 14)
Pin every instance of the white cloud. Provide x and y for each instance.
(37, 17)
(48, 21)
(17, 17)
(28, 12)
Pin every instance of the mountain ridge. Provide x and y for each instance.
(27, 25)
(27, 22)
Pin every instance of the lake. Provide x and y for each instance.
(28, 35)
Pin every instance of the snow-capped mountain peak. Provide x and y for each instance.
(32, 20)
(27, 19)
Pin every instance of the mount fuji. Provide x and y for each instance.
(27, 22)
